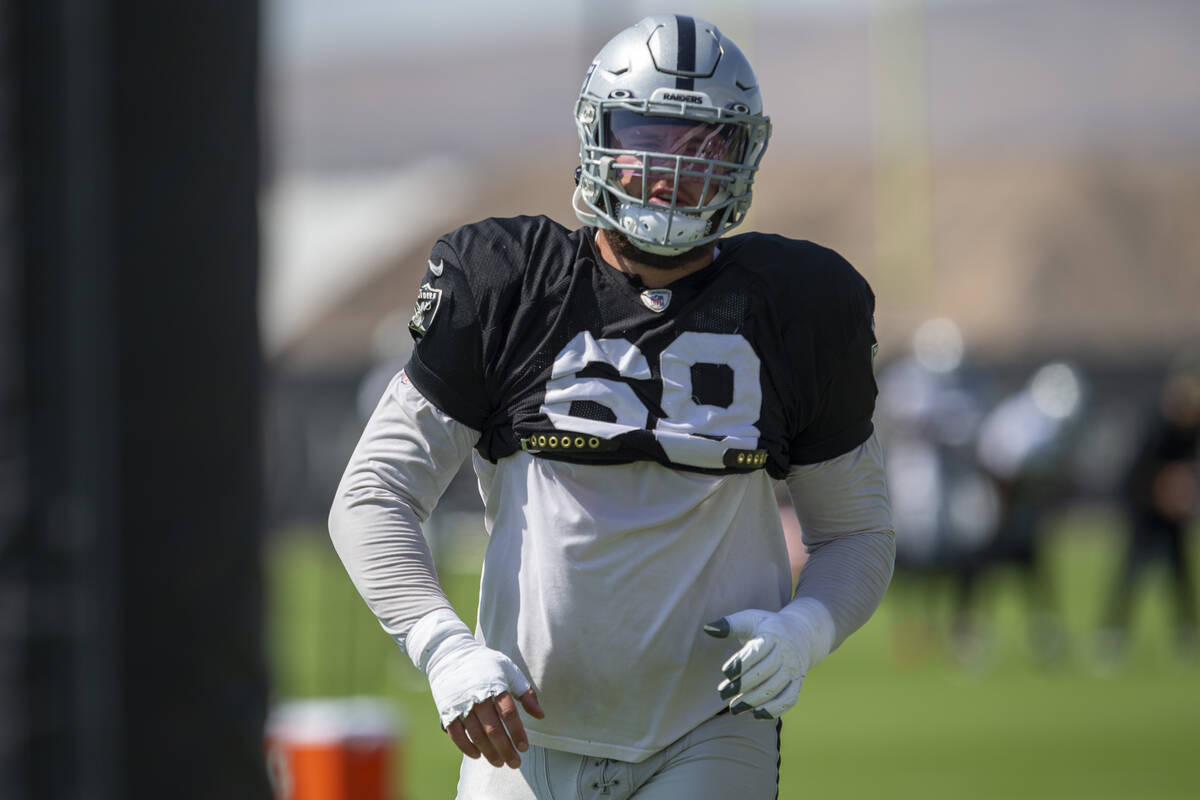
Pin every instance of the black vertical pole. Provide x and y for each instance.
(60, 555)
(185, 150)
(130, 578)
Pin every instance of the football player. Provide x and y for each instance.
(629, 392)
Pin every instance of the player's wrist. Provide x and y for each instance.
(810, 627)
(435, 636)
(462, 671)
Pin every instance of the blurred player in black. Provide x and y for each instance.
(1159, 497)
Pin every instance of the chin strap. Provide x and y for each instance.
(585, 214)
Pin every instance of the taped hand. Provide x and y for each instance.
(473, 688)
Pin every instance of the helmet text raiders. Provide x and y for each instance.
(671, 132)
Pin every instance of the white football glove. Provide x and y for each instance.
(777, 651)
(461, 671)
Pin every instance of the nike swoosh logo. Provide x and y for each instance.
(437, 268)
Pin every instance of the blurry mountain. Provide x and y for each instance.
(1031, 169)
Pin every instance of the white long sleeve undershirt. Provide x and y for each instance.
(844, 513)
(403, 463)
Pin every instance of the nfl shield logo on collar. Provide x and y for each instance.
(656, 299)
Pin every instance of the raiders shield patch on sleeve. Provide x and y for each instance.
(428, 300)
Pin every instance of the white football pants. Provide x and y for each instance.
(725, 757)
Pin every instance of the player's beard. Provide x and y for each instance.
(626, 249)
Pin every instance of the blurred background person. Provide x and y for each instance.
(1159, 500)
(930, 408)
(1024, 446)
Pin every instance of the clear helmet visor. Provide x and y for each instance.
(675, 136)
(669, 160)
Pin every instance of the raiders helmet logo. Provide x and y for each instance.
(428, 300)
(656, 299)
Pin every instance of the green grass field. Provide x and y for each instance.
(887, 715)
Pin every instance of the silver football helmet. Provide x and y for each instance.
(671, 132)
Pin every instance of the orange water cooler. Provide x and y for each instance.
(334, 749)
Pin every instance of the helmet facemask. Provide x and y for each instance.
(670, 176)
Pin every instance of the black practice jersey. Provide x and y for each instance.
(761, 360)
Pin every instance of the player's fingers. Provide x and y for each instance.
(718, 629)
(530, 701)
(484, 742)
(750, 678)
(458, 735)
(493, 729)
(763, 669)
(781, 703)
(742, 624)
(751, 653)
(512, 720)
(766, 694)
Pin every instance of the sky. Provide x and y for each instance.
(300, 31)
